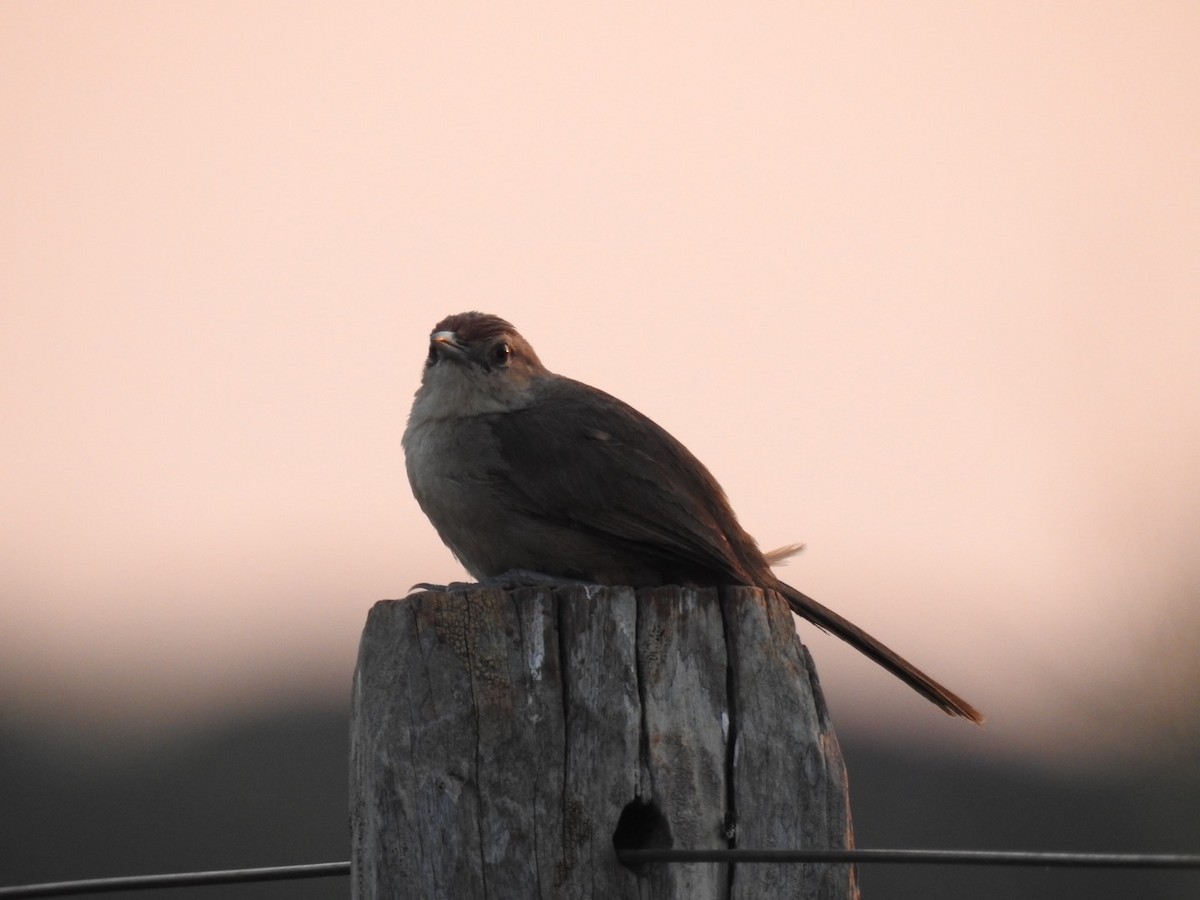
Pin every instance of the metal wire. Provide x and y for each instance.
(640, 857)
(179, 879)
(936, 857)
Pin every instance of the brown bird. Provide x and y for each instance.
(525, 473)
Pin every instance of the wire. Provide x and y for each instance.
(636, 858)
(179, 879)
(942, 857)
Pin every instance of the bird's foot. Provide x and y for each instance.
(451, 588)
(519, 578)
(507, 581)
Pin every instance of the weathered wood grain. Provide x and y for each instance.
(789, 782)
(682, 683)
(499, 738)
(597, 633)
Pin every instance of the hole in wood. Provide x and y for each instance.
(641, 827)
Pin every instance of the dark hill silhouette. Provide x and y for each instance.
(272, 791)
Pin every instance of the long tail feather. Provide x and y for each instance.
(823, 617)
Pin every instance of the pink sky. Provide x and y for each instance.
(919, 283)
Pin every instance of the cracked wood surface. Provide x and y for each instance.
(497, 737)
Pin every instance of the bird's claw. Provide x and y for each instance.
(453, 587)
(507, 581)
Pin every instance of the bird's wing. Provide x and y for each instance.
(583, 459)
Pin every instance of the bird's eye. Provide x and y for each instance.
(501, 354)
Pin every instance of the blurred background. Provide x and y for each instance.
(918, 282)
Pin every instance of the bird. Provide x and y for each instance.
(529, 476)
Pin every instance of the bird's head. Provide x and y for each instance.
(477, 364)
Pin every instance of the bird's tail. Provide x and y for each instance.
(827, 619)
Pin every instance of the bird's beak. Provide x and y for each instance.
(446, 344)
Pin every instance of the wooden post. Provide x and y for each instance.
(502, 741)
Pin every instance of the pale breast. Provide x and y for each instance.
(451, 467)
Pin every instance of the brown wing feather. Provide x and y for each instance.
(642, 489)
(576, 473)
